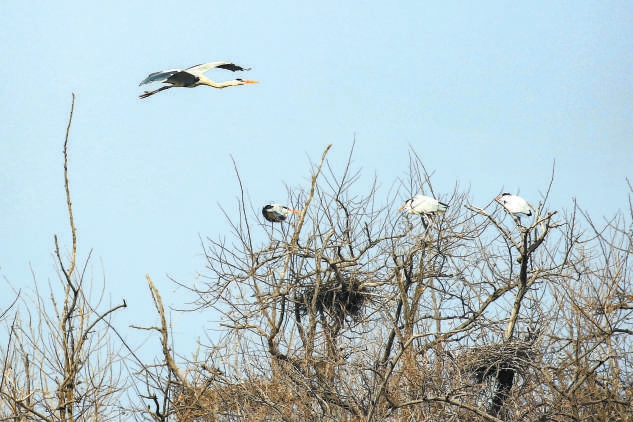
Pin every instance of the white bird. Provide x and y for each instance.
(424, 206)
(514, 204)
(193, 76)
(276, 213)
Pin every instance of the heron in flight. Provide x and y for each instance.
(192, 77)
(514, 204)
(276, 213)
(424, 206)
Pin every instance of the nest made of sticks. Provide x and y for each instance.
(487, 361)
(335, 299)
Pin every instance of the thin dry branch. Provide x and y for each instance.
(164, 333)
(68, 202)
(295, 236)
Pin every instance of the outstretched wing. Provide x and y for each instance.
(161, 76)
(200, 69)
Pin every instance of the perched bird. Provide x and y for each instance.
(276, 213)
(515, 205)
(192, 77)
(424, 206)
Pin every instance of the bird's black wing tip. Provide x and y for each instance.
(233, 67)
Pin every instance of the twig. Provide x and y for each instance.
(66, 186)
(169, 360)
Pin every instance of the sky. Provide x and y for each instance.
(489, 94)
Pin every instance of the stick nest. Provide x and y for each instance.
(487, 361)
(334, 299)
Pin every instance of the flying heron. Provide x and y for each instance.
(193, 77)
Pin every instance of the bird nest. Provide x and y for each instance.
(334, 299)
(487, 361)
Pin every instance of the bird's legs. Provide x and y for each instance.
(148, 93)
(425, 223)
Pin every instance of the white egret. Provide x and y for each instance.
(424, 206)
(514, 204)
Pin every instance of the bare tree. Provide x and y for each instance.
(353, 312)
(59, 363)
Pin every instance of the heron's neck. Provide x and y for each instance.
(206, 81)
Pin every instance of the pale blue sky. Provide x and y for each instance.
(488, 93)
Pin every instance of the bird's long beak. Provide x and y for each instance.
(249, 81)
(402, 207)
(295, 211)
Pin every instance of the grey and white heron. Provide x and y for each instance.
(193, 77)
(424, 206)
(276, 213)
(514, 204)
